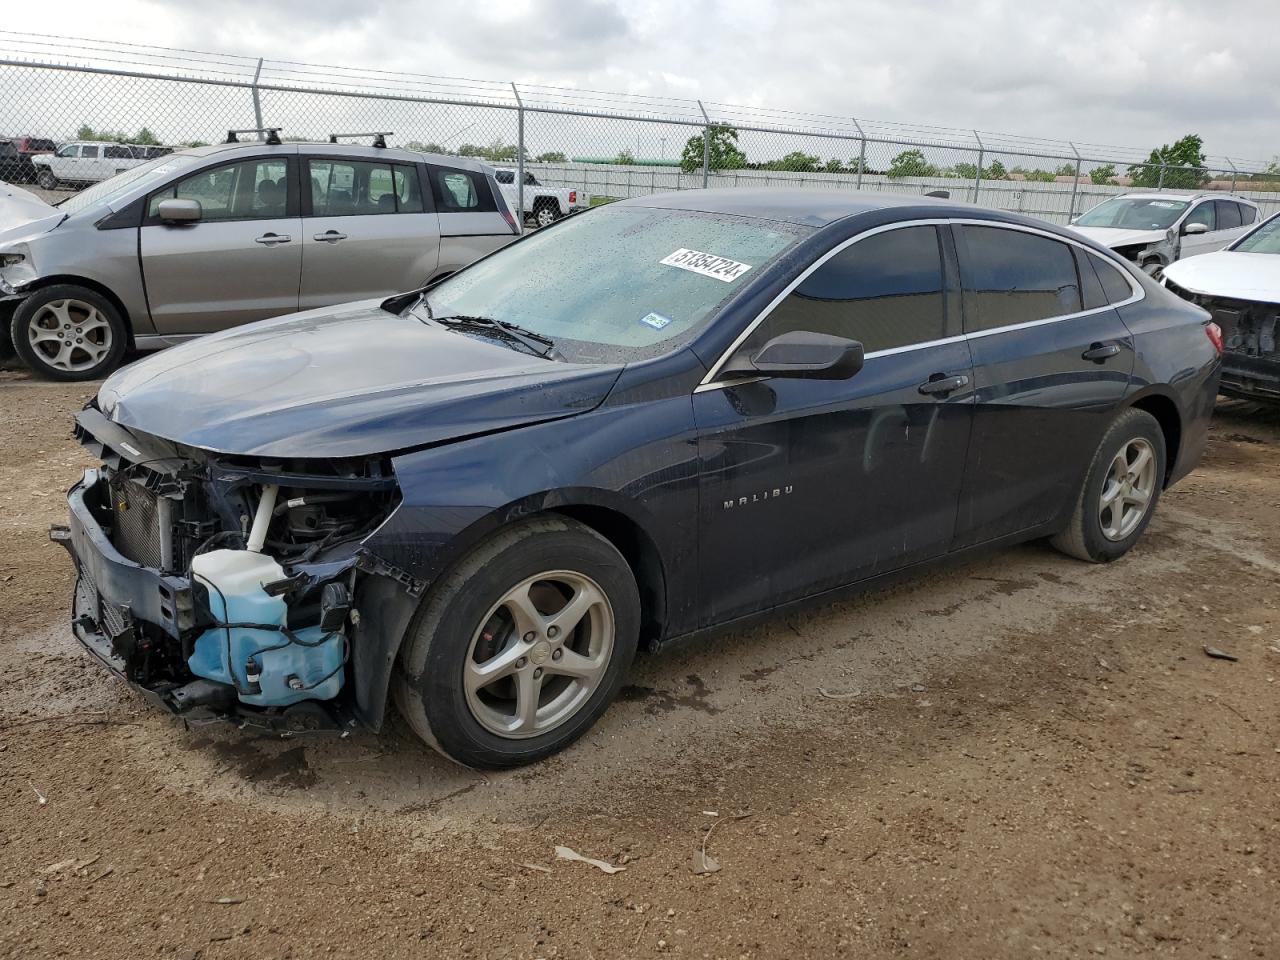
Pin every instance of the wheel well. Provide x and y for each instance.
(1166, 413)
(546, 202)
(88, 284)
(641, 555)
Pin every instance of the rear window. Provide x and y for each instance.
(461, 191)
(1228, 214)
(1117, 288)
(1012, 277)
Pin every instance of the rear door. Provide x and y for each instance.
(368, 230)
(471, 223)
(1049, 369)
(812, 484)
(240, 262)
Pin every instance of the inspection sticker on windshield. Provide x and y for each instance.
(655, 320)
(707, 264)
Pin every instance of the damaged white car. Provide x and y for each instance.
(1240, 286)
(1155, 229)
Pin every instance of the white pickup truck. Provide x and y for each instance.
(543, 205)
(84, 161)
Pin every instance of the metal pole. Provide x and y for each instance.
(1234, 173)
(706, 145)
(1075, 184)
(519, 158)
(977, 174)
(1160, 182)
(257, 101)
(862, 152)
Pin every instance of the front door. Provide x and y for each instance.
(367, 231)
(1050, 365)
(812, 484)
(241, 261)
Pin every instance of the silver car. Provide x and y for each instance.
(208, 238)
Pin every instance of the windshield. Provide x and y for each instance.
(618, 283)
(1265, 239)
(1134, 213)
(143, 175)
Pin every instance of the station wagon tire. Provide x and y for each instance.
(545, 214)
(1120, 492)
(67, 332)
(45, 180)
(488, 677)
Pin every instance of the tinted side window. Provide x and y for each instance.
(346, 188)
(460, 191)
(89, 152)
(118, 153)
(1090, 286)
(1114, 284)
(1247, 213)
(505, 176)
(885, 291)
(1228, 214)
(1203, 213)
(250, 190)
(1014, 277)
(408, 190)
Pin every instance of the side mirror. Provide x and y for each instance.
(1194, 228)
(802, 354)
(179, 211)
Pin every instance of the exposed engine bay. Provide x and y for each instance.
(240, 574)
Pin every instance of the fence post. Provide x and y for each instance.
(977, 174)
(1234, 173)
(862, 152)
(1075, 184)
(519, 158)
(706, 145)
(1160, 181)
(257, 101)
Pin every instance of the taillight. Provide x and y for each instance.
(508, 216)
(1214, 333)
(573, 196)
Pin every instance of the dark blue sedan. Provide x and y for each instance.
(650, 420)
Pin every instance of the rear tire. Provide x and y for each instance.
(486, 675)
(1120, 491)
(545, 214)
(66, 332)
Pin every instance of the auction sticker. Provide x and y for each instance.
(655, 320)
(707, 264)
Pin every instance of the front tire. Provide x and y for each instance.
(1120, 491)
(522, 646)
(67, 332)
(45, 179)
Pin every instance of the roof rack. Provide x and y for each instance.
(379, 137)
(273, 134)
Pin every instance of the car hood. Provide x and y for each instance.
(1113, 237)
(24, 215)
(1241, 276)
(344, 382)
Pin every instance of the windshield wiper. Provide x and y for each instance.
(536, 342)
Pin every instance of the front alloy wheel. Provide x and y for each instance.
(68, 332)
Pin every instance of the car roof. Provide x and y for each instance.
(814, 208)
(1204, 194)
(362, 151)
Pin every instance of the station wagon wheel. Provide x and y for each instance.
(1128, 489)
(1120, 490)
(540, 654)
(67, 332)
(521, 646)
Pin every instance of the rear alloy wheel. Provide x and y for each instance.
(546, 214)
(522, 646)
(1120, 491)
(66, 332)
(45, 179)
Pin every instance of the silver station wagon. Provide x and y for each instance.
(212, 237)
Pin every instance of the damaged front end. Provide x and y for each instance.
(1250, 329)
(230, 586)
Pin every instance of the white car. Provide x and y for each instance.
(83, 162)
(544, 205)
(1155, 229)
(1240, 287)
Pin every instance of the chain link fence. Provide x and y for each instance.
(58, 92)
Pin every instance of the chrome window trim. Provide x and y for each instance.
(710, 383)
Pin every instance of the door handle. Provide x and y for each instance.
(330, 236)
(271, 239)
(1099, 352)
(942, 384)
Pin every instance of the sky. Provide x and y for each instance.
(1133, 74)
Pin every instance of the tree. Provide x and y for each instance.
(1066, 170)
(723, 152)
(85, 132)
(146, 138)
(625, 158)
(995, 172)
(834, 165)
(1183, 162)
(552, 156)
(796, 161)
(417, 146)
(1104, 175)
(911, 163)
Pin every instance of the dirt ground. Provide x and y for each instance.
(1023, 756)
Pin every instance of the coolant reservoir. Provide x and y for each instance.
(264, 665)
